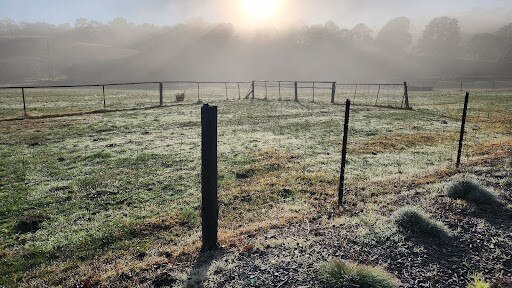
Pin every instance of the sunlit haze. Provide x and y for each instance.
(259, 12)
(259, 9)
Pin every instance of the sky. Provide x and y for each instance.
(345, 13)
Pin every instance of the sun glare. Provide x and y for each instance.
(260, 9)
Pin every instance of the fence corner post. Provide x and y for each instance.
(406, 96)
(253, 91)
(333, 92)
(209, 174)
(296, 92)
(344, 154)
(161, 88)
(462, 127)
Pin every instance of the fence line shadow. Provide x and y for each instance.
(101, 111)
(104, 111)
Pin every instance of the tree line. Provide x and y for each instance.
(90, 49)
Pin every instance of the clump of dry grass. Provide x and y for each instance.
(415, 221)
(180, 97)
(471, 191)
(346, 274)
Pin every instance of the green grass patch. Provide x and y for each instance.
(124, 178)
(345, 274)
(478, 281)
(414, 221)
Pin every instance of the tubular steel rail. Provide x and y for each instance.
(296, 85)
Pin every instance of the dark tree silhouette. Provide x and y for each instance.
(440, 38)
(485, 46)
(395, 36)
(504, 35)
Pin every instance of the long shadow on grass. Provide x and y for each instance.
(102, 111)
(496, 214)
(446, 254)
(198, 273)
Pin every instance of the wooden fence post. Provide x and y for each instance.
(313, 92)
(344, 153)
(279, 84)
(198, 96)
(266, 91)
(227, 95)
(239, 96)
(406, 96)
(333, 92)
(462, 127)
(355, 92)
(161, 88)
(253, 91)
(24, 102)
(461, 82)
(378, 93)
(296, 93)
(104, 99)
(209, 175)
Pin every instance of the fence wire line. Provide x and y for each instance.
(40, 101)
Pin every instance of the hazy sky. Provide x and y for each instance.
(343, 12)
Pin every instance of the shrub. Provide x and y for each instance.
(180, 97)
(344, 274)
(415, 221)
(471, 191)
(478, 281)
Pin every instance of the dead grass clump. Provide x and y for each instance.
(415, 221)
(471, 191)
(345, 274)
(180, 97)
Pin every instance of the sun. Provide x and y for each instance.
(259, 9)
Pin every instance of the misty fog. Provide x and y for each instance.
(119, 51)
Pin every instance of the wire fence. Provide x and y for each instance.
(460, 85)
(113, 170)
(43, 101)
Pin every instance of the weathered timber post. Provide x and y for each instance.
(253, 91)
(209, 175)
(313, 92)
(104, 99)
(161, 88)
(378, 93)
(266, 91)
(24, 102)
(462, 127)
(461, 82)
(296, 92)
(227, 95)
(198, 96)
(344, 153)
(355, 92)
(239, 96)
(279, 84)
(333, 92)
(406, 96)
